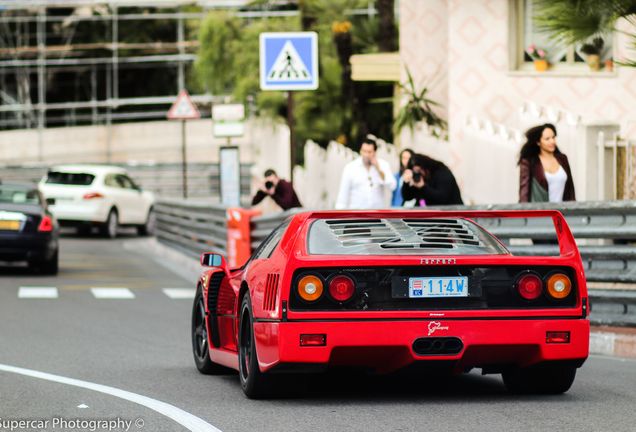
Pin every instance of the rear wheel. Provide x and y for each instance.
(255, 383)
(200, 347)
(109, 228)
(540, 379)
(148, 229)
(51, 265)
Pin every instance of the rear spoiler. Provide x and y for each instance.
(567, 244)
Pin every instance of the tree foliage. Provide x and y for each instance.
(575, 21)
(228, 63)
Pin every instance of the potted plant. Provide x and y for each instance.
(538, 56)
(593, 51)
(419, 109)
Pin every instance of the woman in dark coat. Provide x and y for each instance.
(544, 172)
(429, 182)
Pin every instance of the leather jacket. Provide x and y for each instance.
(532, 168)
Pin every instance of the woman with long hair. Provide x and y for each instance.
(405, 156)
(544, 171)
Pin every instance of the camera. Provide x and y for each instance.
(417, 177)
(269, 185)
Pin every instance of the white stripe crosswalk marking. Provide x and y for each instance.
(112, 293)
(37, 292)
(179, 293)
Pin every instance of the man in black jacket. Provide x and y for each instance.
(430, 183)
(281, 191)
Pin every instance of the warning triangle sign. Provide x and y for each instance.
(288, 66)
(183, 108)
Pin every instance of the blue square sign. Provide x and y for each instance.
(289, 61)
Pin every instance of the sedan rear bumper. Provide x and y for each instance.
(27, 247)
(389, 345)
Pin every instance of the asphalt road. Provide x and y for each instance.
(142, 345)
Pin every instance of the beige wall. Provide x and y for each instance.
(265, 144)
(469, 40)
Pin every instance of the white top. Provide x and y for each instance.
(556, 184)
(362, 188)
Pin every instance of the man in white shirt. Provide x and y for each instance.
(365, 180)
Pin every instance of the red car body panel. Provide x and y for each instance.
(383, 339)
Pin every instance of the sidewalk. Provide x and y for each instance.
(613, 341)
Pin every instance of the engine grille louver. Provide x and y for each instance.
(404, 233)
(271, 291)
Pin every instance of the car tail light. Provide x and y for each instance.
(91, 195)
(559, 286)
(556, 337)
(310, 288)
(530, 286)
(313, 340)
(46, 224)
(341, 288)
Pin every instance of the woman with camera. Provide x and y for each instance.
(429, 182)
(281, 191)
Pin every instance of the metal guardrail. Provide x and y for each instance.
(601, 229)
(192, 226)
(613, 308)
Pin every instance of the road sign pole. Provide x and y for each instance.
(292, 143)
(184, 161)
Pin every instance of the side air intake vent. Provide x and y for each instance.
(271, 290)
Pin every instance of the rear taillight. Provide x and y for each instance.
(341, 288)
(530, 286)
(92, 195)
(559, 286)
(310, 288)
(46, 224)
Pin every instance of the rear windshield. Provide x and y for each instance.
(66, 178)
(14, 194)
(400, 236)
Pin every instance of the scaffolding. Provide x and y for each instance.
(41, 51)
(51, 76)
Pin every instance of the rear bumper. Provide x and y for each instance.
(27, 247)
(386, 346)
(93, 211)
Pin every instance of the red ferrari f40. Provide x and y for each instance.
(385, 289)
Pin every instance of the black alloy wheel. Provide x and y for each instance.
(200, 346)
(255, 383)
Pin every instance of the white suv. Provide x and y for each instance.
(105, 196)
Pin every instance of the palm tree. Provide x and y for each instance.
(573, 21)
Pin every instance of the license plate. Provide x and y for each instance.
(10, 225)
(420, 287)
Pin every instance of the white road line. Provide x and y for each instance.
(185, 419)
(112, 293)
(38, 292)
(180, 293)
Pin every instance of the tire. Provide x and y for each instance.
(255, 384)
(200, 344)
(541, 379)
(51, 266)
(148, 228)
(109, 228)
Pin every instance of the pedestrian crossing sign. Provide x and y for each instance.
(289, 61)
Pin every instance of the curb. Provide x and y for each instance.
(182, 265)
(613, 341)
